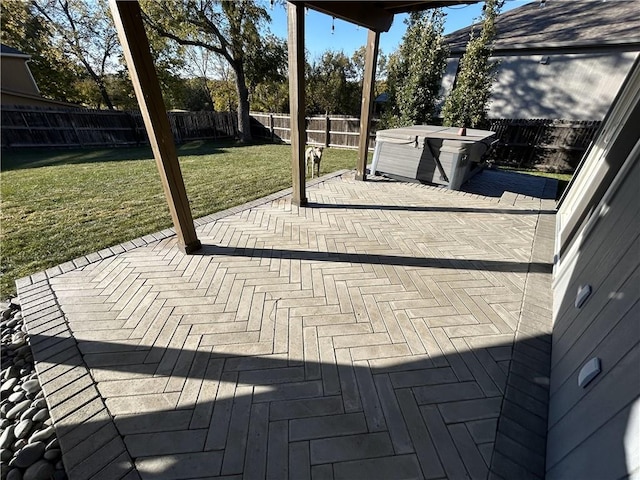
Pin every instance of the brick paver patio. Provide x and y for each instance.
(389, 330)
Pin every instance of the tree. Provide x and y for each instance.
(468, 102)
(332, 86)
(85, 31)
(23, 29)
(267, 64)
(230, 29)
(416, 70)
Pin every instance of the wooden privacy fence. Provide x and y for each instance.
(42, 127)
(326, 130)
(556, 145)
(553, 145)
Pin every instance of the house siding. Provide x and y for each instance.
(594, 431)
(567, 86)
(15, 76)
(606, 327)
(579, 86)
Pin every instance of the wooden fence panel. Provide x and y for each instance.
(554, 145)
(40, 127)
(328, 130)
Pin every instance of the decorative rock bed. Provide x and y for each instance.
(29, 447)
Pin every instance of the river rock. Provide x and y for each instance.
(28, 413)
(16, 397)
(5, 454)
(53, 444)
(39, 403)
(7, 437)
(18, 444)
(23, 428)
(31, 386)
(16, 411)
(14, 474)
(52, 454)
(42, 435)
(7, 386)
(41, 470)
(29, 455)
(41, 415)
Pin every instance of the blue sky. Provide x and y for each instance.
(348, 38)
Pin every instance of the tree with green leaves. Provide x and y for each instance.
(84, 30)
(468, 102)
(415, 71)
(231, 29)
(332, 85)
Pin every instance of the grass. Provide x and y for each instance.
(58, 205)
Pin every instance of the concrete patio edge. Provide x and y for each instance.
(520, 445)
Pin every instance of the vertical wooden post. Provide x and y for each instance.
(371, 57)
(295, 20)
(128, 21)
(327, 131)
(271, 129)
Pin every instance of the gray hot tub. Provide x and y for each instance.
(430, 154)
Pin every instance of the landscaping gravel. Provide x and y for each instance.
(28, 445)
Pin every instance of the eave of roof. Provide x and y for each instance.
(7, 51)
(376, 16)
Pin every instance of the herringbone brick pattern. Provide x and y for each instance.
(366, 336)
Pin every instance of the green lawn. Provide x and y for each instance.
(60, 204)
(563, 177)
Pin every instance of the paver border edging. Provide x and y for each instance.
(85, 429)
(521, 436)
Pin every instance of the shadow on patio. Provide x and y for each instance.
(186, 413)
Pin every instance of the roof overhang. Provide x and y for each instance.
(376, 16)
(16, 55)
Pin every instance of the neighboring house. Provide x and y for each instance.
(17, 85)
(558, 59)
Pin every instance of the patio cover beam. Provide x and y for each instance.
(366, 109)
(295, 24)
(128, 21)
(366, 14)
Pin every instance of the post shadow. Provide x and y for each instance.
(395, 260)
(418, 209)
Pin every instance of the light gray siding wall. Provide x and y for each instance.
(568, 86)
(592, 432)
(448, 78)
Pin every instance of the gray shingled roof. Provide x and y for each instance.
(562, 22)
(6, 50)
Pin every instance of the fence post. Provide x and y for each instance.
(327, 130)
(271, 129)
